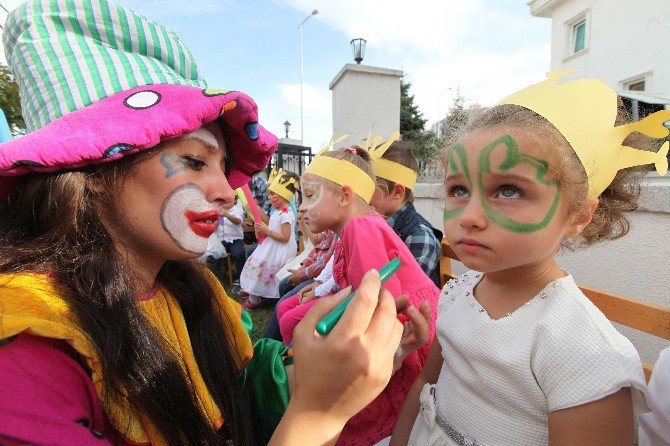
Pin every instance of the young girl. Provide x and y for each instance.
(231, 216)
(337, 187)
(259, 274)
(523, 356)
(109, 332)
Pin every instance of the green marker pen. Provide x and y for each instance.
(327, 323)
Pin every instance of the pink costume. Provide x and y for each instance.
(369, 242)
(290, 312)
(50, 387)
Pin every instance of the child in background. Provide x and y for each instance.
(230, 218)
(310, 268)
(259, 188)
(396, 169)
(523, 356)
(337, 187)
(323, 245)
(291, 314)
(258, 277)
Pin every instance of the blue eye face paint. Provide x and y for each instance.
(173, 164)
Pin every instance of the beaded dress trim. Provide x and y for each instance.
(459, 437)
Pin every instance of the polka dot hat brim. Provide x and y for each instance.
(139, 119)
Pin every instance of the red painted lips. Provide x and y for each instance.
(202, 224)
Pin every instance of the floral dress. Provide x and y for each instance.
(259, 276)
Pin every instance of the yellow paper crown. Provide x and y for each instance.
(342, 172)
(584, 112)
(279, 184)
(387, 169)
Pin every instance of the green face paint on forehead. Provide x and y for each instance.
(512, 159)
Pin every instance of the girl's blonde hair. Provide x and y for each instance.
(609, 221)
(355, 155)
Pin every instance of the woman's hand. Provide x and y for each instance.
(339, 374)
(416, 332)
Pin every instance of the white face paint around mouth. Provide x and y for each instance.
(186, 216)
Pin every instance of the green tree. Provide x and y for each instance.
(457, 116)
(412, 121)
(10, 101)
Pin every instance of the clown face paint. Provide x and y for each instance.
(501, 210)
(189, 218)
(312, 195)
(507, 162)
(206, 135)
(318, 205)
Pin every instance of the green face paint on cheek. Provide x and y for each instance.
(512, 159)
(458, 150)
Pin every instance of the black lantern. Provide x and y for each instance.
(287, 125)
(358, 48)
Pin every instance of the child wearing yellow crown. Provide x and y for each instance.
(337, 187)
(523, 357)
(258, 277)
(397, 169)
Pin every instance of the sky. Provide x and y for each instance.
(485, 49)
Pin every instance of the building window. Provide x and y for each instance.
(641, 82)
(579, 36)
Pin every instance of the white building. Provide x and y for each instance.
(365, 98)
(622, 42)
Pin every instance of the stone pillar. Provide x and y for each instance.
(363, 97)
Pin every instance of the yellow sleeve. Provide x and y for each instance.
(232, 320)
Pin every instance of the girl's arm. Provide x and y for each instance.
(410, 410)
(282, 237)
(416, 331)
(339, 374)
(606, 421)
(234, 220)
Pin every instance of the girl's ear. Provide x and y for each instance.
(347, 195)
(582, 217)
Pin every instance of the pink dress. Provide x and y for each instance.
(369, 242)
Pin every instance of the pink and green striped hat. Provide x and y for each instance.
(99, 81)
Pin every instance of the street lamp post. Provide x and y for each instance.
(358, 49)
(287, 125)
(302, 132)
